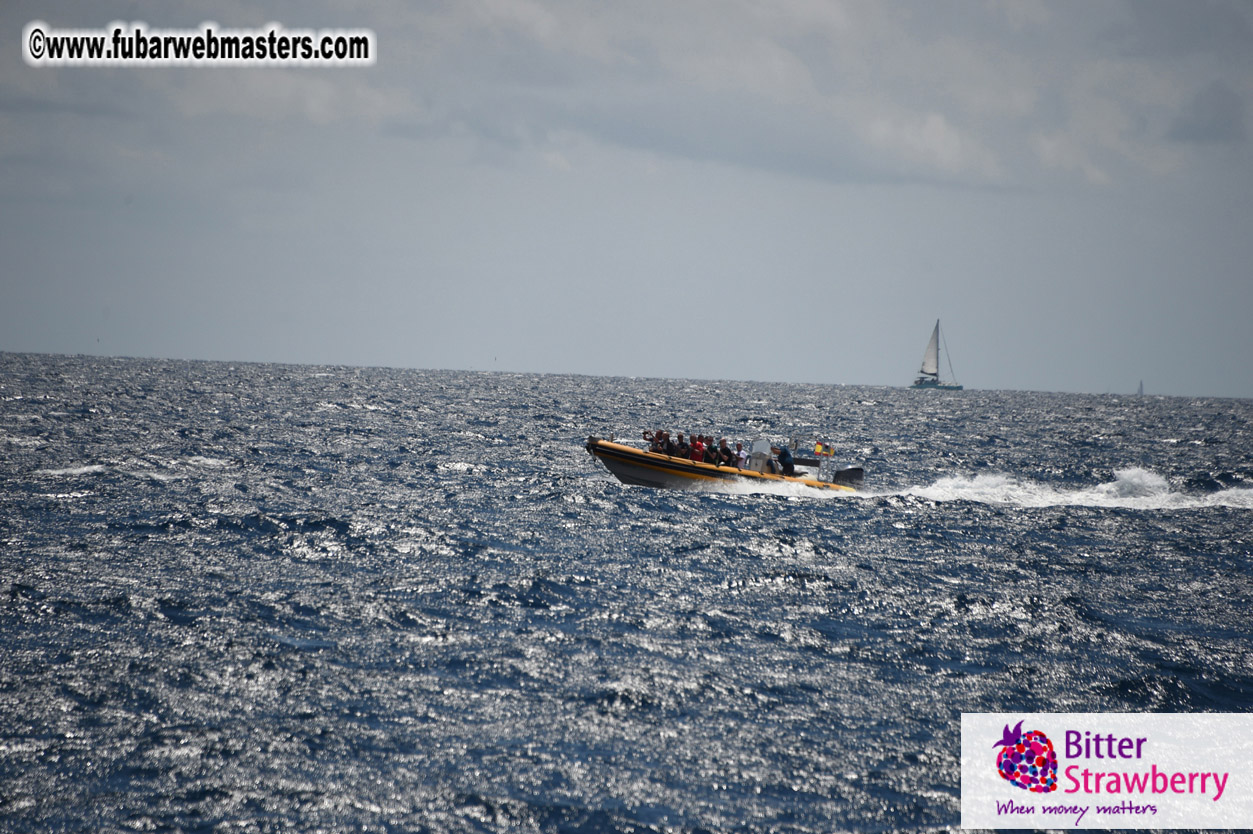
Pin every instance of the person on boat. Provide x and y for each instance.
(725, 456)
(785, 459)
(698, 448)
(655, 440)
(741, 456)
(711, 451)
(681, 449)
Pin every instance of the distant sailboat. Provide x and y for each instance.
(929, 373)
(1140, 393)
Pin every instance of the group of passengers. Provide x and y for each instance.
(702, 448)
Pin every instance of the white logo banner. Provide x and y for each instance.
(1106, 770)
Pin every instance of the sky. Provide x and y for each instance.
(789, 191)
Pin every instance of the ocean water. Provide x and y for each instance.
(293, 598)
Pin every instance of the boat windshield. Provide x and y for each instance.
(761, 444)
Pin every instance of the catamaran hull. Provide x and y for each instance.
(639, 468)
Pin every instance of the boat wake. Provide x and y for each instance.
(784, 489)
(1135, 488)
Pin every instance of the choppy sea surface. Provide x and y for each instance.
(293, 598)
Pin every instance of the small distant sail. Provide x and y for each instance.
(929, 373)
(931, 358)
(1140, 393)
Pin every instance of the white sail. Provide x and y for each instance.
(929, 373)
(931, 359)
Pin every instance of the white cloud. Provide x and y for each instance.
(923, 94)
(1058, 151)
(276, 95)
(929, 144)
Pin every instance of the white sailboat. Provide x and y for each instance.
(929, 373)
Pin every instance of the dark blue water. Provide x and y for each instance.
(287, 598)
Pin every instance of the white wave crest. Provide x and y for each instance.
(200, 460)
(74, 470)
(462, 466)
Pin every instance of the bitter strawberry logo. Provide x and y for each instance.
(1027, 760)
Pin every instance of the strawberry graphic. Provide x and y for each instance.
(1027, 760)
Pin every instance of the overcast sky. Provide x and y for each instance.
(785, 191)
